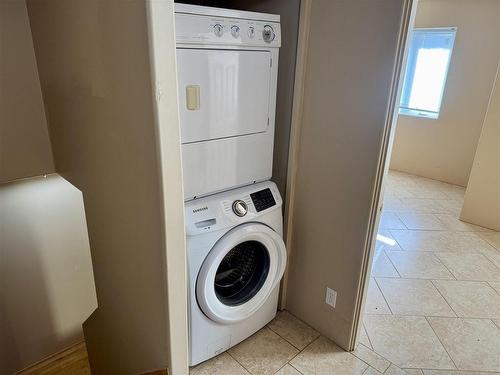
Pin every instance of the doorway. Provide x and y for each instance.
(433, 298)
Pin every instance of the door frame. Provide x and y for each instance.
(407, 22)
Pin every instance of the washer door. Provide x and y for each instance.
(240, 272)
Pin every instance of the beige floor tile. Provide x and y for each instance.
(493, 239)
(363, 337)
(493, 255)
(497, 322)
(421, 221)
(419, 265)
(395, 370)
(428, 192)
(440, 241)
(414, 297)
(288, 370)
(413, 371)
(407, 341)
(473, 344)
(446, 372)
(392, 202)
(456, 192)
(385, 241)
(466, 266)
(223, 364)
(323, 357)
(420, 206)
(397, 192)
(401, 178)
(495, 285)
(263, 353)
(451, 206)
(470, 299)
(293, 330)
(451, 222)
(371, 371)
(431, 183)
(389, 220)
(382, 266)
(375, 302)
(373, 359)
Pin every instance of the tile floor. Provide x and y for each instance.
(433, 305)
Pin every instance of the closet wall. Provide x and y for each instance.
(46, 280)
(117, 140)
(350, 65)
(24, 142)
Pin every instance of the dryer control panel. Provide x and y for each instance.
(232, 28)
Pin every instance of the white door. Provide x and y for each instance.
(222, 93)
(240, 272)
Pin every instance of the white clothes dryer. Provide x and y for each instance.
(236, 258)
(227, 69)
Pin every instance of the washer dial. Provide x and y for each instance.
(268, 34)
(240, 208)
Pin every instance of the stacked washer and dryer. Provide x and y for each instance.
(227, 64)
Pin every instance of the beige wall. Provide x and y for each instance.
(24, 142)
(108, 139)
(482, 197)
(350, 66)
(46, 281)
(444, 149)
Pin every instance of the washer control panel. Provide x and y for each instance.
(231, 208)
(204, 29)
(263, 199)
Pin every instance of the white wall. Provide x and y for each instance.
(24, 143)
(482, 198)
(444, 149)
(46, 280)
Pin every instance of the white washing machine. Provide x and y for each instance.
(227, 67)
(236, 258)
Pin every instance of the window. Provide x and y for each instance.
(426, 70)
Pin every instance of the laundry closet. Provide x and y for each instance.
(227, 71)
(192, 131)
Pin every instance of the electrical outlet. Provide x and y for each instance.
(331, 297)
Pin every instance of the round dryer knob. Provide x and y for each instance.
(240, 208)
(251, 32)
(218, 29)
(235, 31)
(268, 34)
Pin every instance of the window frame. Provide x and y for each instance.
(405, 111)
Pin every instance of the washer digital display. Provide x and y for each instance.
(263, 199)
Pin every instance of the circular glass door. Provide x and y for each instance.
(240, 272)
